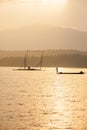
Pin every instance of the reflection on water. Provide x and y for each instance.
(42, 100)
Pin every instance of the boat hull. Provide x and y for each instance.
(71, 73)
(27, 69)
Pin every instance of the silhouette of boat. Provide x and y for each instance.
(26, 67)
(81, 72)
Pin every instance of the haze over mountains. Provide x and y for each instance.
(42, 37)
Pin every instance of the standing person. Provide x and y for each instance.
(57, 70)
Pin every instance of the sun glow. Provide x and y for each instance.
(52, 3)
(55, 2)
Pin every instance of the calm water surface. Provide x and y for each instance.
(42, 100)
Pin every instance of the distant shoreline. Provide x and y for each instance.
(51, 58)
(44, 67)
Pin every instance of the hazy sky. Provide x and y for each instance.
(64, 13)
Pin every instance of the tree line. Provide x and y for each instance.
(61, 60)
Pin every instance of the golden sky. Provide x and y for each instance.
(64, 13)
(22, 14)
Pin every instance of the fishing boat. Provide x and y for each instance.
(81, 72)
(26, 66)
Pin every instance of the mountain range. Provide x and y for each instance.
(42, 37)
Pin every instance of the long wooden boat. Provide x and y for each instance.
(81, 72)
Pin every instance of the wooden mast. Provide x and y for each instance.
(41, 61)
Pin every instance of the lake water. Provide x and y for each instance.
(42, 100)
